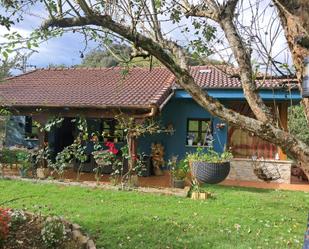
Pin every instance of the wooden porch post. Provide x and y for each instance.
(283, 119)
(133, 151)
(41, 119)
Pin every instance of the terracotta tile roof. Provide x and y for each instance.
(106, 87)
(97, 87)
(221, 76)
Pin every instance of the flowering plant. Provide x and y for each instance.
(23, 158)
(111, 147)
(105, 156)
(53, 232)
(16, 217)
(4, 224)
(179, 168)
(191, 136)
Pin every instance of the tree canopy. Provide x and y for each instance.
(4, 70)
(298, 125)
(118, 55)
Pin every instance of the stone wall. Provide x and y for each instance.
(243, 169)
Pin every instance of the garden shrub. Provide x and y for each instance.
(8, 156)
(297, 123)
(53, 232)
(17, 217)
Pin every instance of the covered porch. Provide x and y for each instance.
(164, 181)
(98, 95)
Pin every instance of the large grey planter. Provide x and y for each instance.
(210, 172)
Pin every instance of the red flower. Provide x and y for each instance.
(4, 224)
(113, 150)
(111, 147)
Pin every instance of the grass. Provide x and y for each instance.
(239, 218)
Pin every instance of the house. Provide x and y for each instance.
(100, 93)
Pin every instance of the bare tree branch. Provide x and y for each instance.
(185, 80)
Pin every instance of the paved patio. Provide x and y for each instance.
(165, 181)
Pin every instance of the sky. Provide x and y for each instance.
(57, 51)
(61, 50)
(66, 49)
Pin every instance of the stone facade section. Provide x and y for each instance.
(243, 170)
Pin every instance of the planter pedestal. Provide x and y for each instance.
(200, 196)
(42, 173)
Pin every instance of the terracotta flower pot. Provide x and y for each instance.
(23, 172)
(42, 173)
(178, 183)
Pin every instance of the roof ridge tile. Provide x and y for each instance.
(19, 75)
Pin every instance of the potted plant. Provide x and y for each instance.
(80, 155)
(7, 159)
(104, 158)
(62, 162)
(190, 138)
(179, 170)
(41, 156)
(209, 166)
(24, 162)
(117, 136)
(105, 136)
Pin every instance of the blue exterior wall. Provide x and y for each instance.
(176, 113)
(182, 106)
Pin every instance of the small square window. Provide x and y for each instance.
(112, 131)
(199, 132)
(31, 130)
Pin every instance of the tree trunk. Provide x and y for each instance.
(294, 16)
(243, 57)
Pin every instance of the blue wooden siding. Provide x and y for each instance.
(176, 112)
(182, 106)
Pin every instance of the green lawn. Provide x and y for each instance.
(235, 218)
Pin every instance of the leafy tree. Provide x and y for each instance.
(106, 58)
(118, 55)
(99, 58)
(229, 26)
(297, 122)
(5, 67)
(52, 65)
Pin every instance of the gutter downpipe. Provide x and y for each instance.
(154, 109)
(166, 100)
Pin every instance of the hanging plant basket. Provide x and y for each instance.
(265, 172)
(210, 172)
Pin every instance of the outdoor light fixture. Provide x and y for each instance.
(305, 84)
